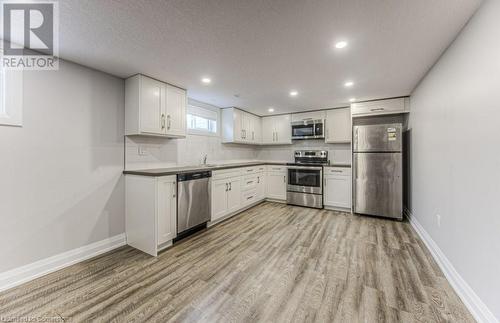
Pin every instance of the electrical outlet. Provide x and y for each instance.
(438, 220)
(142, 151)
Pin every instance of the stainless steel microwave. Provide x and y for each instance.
(308, 129)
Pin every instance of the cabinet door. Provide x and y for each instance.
(268, 131)
(237, 125)
(234, 194)
(219, 198)
(152, 106)
(338, 191)
(338, 126)
(276, 185)
(261, 186)
(257, 130)
(175, 111)
(283, 129)
(167, 209)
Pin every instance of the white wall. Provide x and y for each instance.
(60, 174)
(455, 154)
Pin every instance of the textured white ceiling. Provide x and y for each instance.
(260, 50)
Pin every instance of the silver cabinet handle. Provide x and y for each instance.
(253, 135)
(284, 179)
(249, 182)
(227, 187)
(168, 122)
(249, 197)
(377, 109)
(258, 179)
(162, 121)
(230, 186)
(277, 137)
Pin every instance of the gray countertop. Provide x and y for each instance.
(188, 169)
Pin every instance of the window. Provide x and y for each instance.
(201, 121)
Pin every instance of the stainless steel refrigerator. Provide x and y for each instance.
(378, 170)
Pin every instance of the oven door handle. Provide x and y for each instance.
(305, 167)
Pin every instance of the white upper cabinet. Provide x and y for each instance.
(276, 130)
(176, 111)
(380, 107)
(313, 115)
(240, 127)
(154, 108)
(338, 126)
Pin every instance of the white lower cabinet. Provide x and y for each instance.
(276, 182)
(226, 196)
(238, 188)
(234, 195)
(337, 188)
(150, 212)
(261, 186)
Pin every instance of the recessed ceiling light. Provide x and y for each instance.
(270, 110)
(206, 80)
(348, 83)
(340, 44)
(352, 99)
(294, 93)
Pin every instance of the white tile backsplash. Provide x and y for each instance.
(337, 153)
(161, 152)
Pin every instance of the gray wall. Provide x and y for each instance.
(455, 154)
(60, 174)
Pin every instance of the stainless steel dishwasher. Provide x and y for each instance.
(193, 202)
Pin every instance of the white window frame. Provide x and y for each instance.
(207, 112)
(11, 97)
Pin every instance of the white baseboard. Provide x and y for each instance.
(473, 303)
(20, 275)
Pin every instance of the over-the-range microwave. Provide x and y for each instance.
(308, 129)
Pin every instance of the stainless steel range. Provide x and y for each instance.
(305, 178)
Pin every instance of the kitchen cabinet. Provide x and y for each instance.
(338, 128)
(276, 130)
(176, 111)
(219, 198)
(240, 127)
(276, 182)
(234, 195)
(313, 115)
(226, 196)
(337, 188)
(154, 108)
(381, 107)
(261, 186)
(150, 212)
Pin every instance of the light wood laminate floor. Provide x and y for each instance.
(271, 263)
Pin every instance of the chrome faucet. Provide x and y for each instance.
(205, 159)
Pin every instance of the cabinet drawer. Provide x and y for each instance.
(249, 170)
(276, 168)
(249, 182)
(399, 105)
(337, 171)
(226, 173)
(249, 197)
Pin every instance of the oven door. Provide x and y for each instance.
(305, 179)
